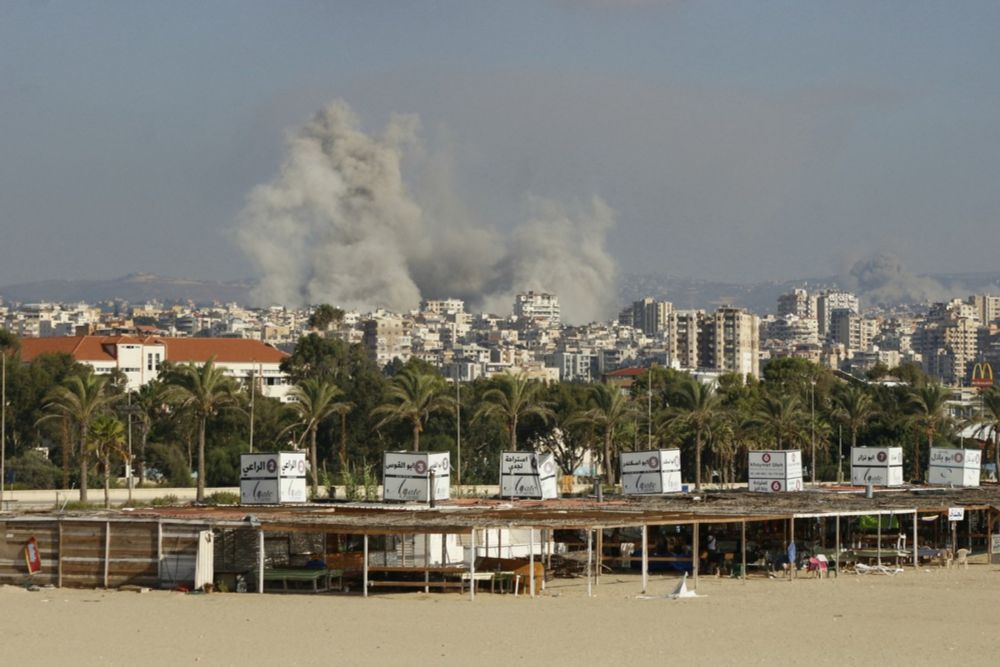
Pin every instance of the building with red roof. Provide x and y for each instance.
(139, 358)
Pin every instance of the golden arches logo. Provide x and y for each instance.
(982, 375)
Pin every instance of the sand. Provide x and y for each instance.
(918, 618)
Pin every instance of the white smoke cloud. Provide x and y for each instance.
(339, 224)
(883, 280)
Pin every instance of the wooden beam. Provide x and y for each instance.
(531, 560)
(590, 561)
(472, 568)
(59, 562)
(695, 556)
(260, 561)
(916, 551)
(107, 550)
(645, 558)
(743, 548)
(364, 567)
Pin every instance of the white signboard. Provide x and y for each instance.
(775, 485)
(528, 475)
(876, 457)
(406, 475)
(954, 467)
(651, 472)
(956, 513)
(774, 471)
(269, 479)
(878, 466)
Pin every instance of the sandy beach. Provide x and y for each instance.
(933, 616)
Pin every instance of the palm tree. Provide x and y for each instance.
(515, 398)
(780, 417)
(80, 399)
(413, 397)
(696, 406)
(342, 408)
(147, 405)
(988, 424)
(107, 437)
(313, 401)
(611, 409)
(927, 405)
(204, 390)
(853, 407)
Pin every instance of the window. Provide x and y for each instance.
(149, 361)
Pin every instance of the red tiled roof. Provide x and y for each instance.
(178, 350)
(627, 372)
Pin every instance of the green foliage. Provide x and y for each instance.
(222, 498)
(324, 316)
(165, 501)
(171, 461)
(31, 470)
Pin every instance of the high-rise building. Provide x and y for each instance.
(948, 341)
(987, 307)
(828, 302)
(854, 332)
(729, 341)
(537, 306)
(682, 338)
(651, 316)
(798, 302)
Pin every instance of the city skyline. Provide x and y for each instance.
(727, 143)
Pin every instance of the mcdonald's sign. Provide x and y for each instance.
(982, 375)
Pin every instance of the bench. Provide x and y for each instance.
(319, 580)
(447, 572)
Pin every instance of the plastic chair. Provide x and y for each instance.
(962, 558)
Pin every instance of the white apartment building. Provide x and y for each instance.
(537, 306)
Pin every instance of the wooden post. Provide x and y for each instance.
(545, 556)
(107, 550)
(743, 542)
(364, 567)
(427, 559)
(695, 556)
(791, 566)
(645, 558)
(260, 561)
(531, 560)
(836, 546)
(59, 562)
(590, 559)
(916, 551)
(600, 557)
(472, 568)
(878, 543)
(159, 550)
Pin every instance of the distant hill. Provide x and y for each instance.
(682, 292)
(689, 293)
(134, 288)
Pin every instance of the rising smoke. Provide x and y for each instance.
(340, 224)
(883, 280)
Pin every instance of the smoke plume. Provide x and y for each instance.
(340, 224)
(882, 280)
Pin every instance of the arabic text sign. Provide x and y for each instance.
(528, 475)
(651, 472)
(406, 475)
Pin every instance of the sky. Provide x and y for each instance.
(735, 141)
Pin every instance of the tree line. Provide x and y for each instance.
(190, 426)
